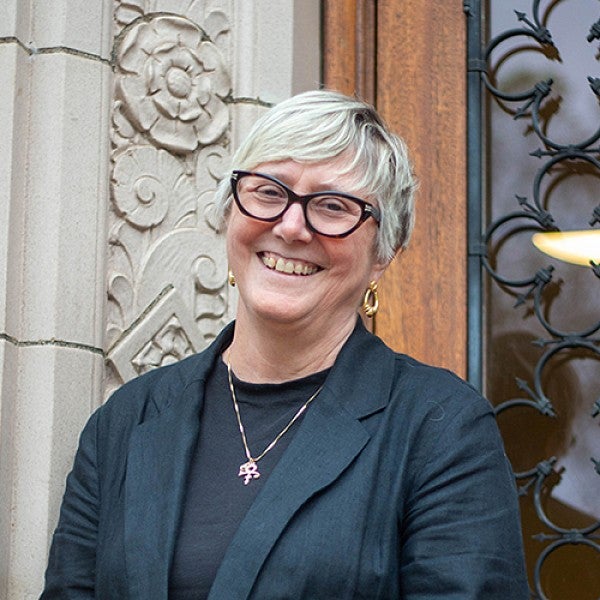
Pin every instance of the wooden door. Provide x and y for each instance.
(407, 57)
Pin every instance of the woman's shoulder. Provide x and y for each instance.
(431, 389)
(161, 379)
(421, 373)
(145, 396)
(368, 364)
(153, 391)
(439, 416)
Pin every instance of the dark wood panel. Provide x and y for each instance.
(349, 47)
(409, 59)
(339, 45)
(421, 87)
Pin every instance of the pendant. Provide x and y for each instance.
(249, 471)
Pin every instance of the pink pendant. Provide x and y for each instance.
(249, 471)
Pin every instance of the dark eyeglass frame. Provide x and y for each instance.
(366, 210)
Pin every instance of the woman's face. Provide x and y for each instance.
(328, 276)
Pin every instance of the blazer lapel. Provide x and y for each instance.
(310, 463)
(159, 454)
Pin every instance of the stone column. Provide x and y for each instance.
(277, 55)
(55, 96)
(109, 262)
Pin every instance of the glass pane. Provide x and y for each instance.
(542, 315)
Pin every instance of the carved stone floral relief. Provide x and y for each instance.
(171, 84)
(167, 270)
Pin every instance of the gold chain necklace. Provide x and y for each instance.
(249, 469)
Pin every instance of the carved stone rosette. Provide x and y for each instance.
(167, 269)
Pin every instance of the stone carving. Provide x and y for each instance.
(167, 270)
(127, 11)
(145, 181)
(164, 334)
(172, 83)
(169, 345)
(162, 236)
(212, 14)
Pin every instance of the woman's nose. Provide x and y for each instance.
(292, 226)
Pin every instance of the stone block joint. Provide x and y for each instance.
(50, 342)
(32, 50)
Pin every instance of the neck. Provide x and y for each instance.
(267, 352)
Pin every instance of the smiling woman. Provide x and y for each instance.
(309, 313)
(298, 456)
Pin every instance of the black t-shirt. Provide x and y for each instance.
(216, 499)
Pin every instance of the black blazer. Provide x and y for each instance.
(395, 485)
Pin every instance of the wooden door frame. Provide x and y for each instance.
(408, 58)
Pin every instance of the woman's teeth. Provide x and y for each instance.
(288, 266)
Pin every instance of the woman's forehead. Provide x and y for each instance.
(330, 173)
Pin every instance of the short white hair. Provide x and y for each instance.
(321, 125)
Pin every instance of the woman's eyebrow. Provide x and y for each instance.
(326, 186)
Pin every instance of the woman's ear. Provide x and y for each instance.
(380, 266)
(377, 271)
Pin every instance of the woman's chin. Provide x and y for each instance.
(300, 315)
(284, 315)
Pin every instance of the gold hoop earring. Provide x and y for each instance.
(231, 278)
(371, 300)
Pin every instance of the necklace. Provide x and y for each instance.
(249, 469)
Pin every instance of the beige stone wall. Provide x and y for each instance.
(117, 119)
(55, 93)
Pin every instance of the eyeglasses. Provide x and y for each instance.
(332, 214)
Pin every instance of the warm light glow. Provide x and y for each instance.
(577, 247)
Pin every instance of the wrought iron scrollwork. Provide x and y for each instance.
(533, 289)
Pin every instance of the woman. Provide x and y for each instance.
(298, 456)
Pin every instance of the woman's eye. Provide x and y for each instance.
(332, 205)
(271, 191)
